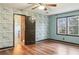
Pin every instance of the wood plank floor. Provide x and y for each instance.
(46, 47)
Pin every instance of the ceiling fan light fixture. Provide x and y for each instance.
(41, 7)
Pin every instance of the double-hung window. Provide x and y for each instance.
(68, 25)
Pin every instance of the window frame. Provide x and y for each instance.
(67, 34)
(57, 26)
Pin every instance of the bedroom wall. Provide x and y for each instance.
(6, 26)
(52, 28)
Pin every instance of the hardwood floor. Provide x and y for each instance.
(46, 47)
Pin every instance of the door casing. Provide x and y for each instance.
(14, 27)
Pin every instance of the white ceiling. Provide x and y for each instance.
(60, 8)
(16, 5)
(64, 7)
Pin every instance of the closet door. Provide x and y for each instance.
(29, 30)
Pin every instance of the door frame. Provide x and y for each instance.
(14, 26)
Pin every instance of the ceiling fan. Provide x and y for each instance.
(43, 6)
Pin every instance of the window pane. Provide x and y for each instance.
(61, 25)
(73, 25)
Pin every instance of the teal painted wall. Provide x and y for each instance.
(52, 28)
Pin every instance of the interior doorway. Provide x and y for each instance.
(19, 29)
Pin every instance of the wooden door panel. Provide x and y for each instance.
(29, 31)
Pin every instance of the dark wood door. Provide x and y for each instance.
(29, 31)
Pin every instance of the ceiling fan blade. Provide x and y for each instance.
(54, 5)
(34, 7)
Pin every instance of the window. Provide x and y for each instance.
(61, 25)
(68, 25)
(73, 25)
